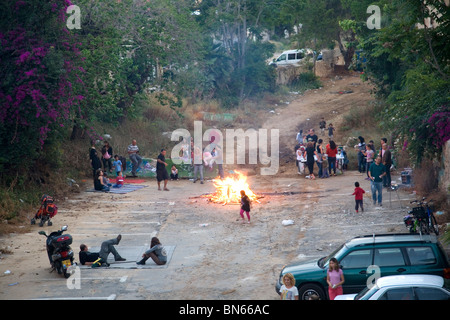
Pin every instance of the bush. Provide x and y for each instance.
(305, 81)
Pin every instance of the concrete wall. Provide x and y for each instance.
(287, 73)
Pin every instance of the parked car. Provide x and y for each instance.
(290, 57)
(393, 254)
(407, 287)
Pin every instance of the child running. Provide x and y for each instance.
(245, 206)
(358, 197)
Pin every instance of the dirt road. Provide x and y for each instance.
(215, 255)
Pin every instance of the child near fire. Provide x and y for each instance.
(245, 206)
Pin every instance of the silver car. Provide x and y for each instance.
(404, 287)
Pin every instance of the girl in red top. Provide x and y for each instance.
(331, 153)
(358, 197)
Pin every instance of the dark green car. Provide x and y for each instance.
(366, 258)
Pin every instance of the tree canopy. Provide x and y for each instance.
(56, 79)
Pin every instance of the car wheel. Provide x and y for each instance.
(307, 290)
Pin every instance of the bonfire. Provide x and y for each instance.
(228, 190)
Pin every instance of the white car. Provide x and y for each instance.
(290, 57)
(405, 287)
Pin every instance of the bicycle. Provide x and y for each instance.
(422, 219)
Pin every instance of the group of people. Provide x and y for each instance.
(106, 163)
(377, 166)
(335, 280)
(310, 150)
(156, 252)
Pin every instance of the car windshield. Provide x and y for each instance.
(324, 261)
(367, 292)
(282, 57)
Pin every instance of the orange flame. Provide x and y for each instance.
(229, 189)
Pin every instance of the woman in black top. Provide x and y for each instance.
(319, 156)
(361, 146)
(98, 181)
(95, 161)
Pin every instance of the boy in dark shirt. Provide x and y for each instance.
(358, 197)
(312, 137)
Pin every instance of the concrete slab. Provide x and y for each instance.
(133, 254)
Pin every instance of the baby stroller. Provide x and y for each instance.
(47, 211)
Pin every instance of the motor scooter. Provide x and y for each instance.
(59, 251)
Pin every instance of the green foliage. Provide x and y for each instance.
(408, 63)
(305, 81)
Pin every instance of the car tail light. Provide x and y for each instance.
(447, 273)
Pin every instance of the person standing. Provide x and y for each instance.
(335, 279)
(161, 171)
(312, 137)
(219, 160)
(358, 193)
(361, 147)
(310, 152)
(376, 173)
(117, 164)
(331, 130)
(382, 141)
(95, 160)
(245, 206)
(322, 125)
(369, 153)
(299, 137)
(320, 153)
(135, 158)
(198, 167)
(288, 290)
(107, 153)
(300, 160)
(331, 154)
(386, 160)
